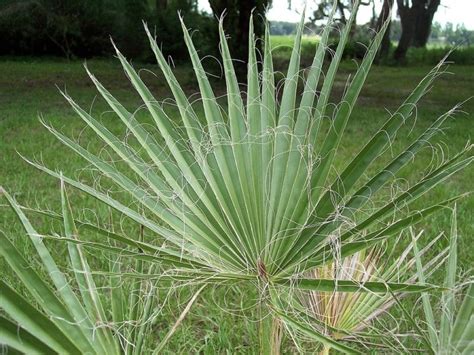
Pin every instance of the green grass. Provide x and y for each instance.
(27, 89)
(288, 40)
(282, 46)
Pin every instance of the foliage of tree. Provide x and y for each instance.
(461, 36)
(341, 16)
(281, 28)
(166, 25)
(343, 9)
(450, 35)
(56, 27)
(82, 28)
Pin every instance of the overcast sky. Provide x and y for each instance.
(454, 11)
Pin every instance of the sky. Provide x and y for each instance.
(454, 11)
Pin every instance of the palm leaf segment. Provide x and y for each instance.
(453, 331)
(71, 323)
(348, 313)
(68, 312)
(247, 193)
(353, 316)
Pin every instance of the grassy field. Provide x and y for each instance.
(220, 320)
(282, 46)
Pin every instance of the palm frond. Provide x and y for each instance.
(59, 318)
(454, 331)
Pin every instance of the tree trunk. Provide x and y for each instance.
(242, 30)
(407, 21)
(416, 24)
(423, 24)
(236, 25)
(385, 13)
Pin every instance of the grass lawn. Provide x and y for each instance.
(282, 46)
(28, 89)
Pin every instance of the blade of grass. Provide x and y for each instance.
(293, 197)
(326, 341)
(448, 296)
(181, 317)
(427, 308)
(326, 285)
(87, 286)
(325, 255)
(364, 194)
(237, 212)
(356, 168)
(167, 255)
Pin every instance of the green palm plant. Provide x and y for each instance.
(58, 318)
(453, 332)
(248, 194)
(341, 315)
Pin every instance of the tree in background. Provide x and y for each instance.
(132, 40)
(56, 27)
(164, 20)
(236, 25)
(82, 28)
(282, 28)
(385, 13)
(416, 17)
(448, 35)
(359, 35)
(424, 22)
(343, 9)
(460, 36)
(416, 21)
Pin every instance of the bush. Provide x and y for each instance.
(353, 49)
(431, 56)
